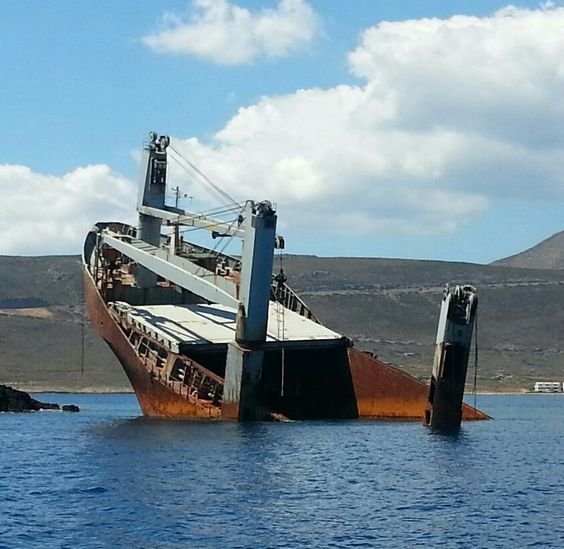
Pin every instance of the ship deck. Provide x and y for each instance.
(176, 326)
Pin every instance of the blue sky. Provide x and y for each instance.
(380, 129)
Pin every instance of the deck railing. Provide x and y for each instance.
(289, 299)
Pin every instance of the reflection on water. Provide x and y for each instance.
(106, 477)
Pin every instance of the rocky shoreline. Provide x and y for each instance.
(12, 400)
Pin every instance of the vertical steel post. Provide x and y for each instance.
(245, 357)
(454, 337)
(152, 191)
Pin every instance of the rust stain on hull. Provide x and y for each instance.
(384, 392)
(155, 399)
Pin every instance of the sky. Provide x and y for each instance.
(423, 129)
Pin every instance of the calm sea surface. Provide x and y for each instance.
(107, 478)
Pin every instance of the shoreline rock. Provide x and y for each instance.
(12, 400)
(71, 408)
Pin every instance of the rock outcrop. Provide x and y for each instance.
(71, 408)
(12, 400)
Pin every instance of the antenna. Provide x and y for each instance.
(178, 195)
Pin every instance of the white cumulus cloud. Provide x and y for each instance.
(228, 34)
(51, 215)
(449, 115)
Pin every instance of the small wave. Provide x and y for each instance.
(93, 490)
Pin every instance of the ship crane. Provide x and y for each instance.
(249, 295)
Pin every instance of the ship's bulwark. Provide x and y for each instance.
(384, 392)
(338, 382)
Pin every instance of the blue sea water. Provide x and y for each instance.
(107, 478)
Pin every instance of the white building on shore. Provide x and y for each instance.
(549, 387)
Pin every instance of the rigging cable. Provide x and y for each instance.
(216, 249)
(281, 319)
(230, 204)
(218, 211)
(212, 191)
(223, 210)
(225, 197)
(82, 332)
(228, 239)
(475, 358)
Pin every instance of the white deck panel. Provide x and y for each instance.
(201, 324)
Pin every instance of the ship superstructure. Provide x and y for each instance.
(204, 334)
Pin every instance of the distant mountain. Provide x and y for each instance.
(548, 254)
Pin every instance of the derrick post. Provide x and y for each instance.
(152, 190)
(450, 364)
(245, 356)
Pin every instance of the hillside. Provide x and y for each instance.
(391, 307)
(41, 318)
(548, 254)
(387, 306)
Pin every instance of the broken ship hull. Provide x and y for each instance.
(315, 379)
(156, 397)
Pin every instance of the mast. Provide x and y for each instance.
(152, 191)
(256, 272)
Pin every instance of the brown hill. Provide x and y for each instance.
(41, 321)
(388, 306)
(548, 254)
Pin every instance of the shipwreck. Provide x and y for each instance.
(203, 334)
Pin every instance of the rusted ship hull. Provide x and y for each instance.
(385, 392)
(357, 385)
(155, 398)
